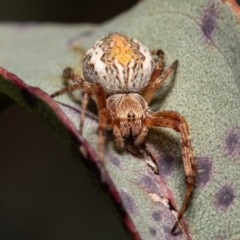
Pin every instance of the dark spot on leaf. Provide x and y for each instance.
(149, 184)
(204, 167)
(115, 161)
(232, 142)
(152, 231)
(209, 21)
(165, 165)
(176, 235)
(128, 202)
(167, 232)
(29, 97)
(156, 216)
(224, 197)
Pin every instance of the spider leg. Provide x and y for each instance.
(118, 137)
(65, 90)
(141, 136)
(96, 92)
(157, 71)
(68, 73)
(178, 123)
(159, 64)
(85, 98)
(79, 84)
(98, 95)
(157, 77)
(103, 120)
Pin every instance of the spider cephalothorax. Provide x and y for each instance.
(120, 75)
(128, 112)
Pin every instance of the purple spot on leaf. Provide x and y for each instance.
(232, 142)
(165, 165)
(128, 202)
(167, 232)
(209, 21)
(152, 231)
(156, 216)
(115, 161)
(224, 197)
(149, 184)
(204, 167)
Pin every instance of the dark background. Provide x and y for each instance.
(67, 11)
(44, 194)
(63, 11)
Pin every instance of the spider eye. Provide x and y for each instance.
(131, 116)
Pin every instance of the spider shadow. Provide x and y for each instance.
(166, 144)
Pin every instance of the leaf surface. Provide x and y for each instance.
(205, 38)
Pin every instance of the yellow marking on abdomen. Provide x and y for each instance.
(121, 49)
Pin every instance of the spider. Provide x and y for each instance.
(121, 76)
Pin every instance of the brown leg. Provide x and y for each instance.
(65, 90)
(157, 71)
(79, 83)
(118, 137)
(96, 92)
(141, 136)
(84, 102)
(178, 123)
(157, 77)
(159, 65)
(68, 73)
(103, 121)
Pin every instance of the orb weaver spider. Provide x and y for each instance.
(121, 76)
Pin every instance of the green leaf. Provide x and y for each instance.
(205, 38)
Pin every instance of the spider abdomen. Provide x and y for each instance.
(121, 64)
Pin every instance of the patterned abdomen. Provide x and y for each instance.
(119, 63)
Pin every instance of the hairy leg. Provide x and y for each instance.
(178, 123)
(158, 77)
(141, 136)
(104, 118)
(118, 137)
(96, 92)
(85, 98)
(67, 89)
